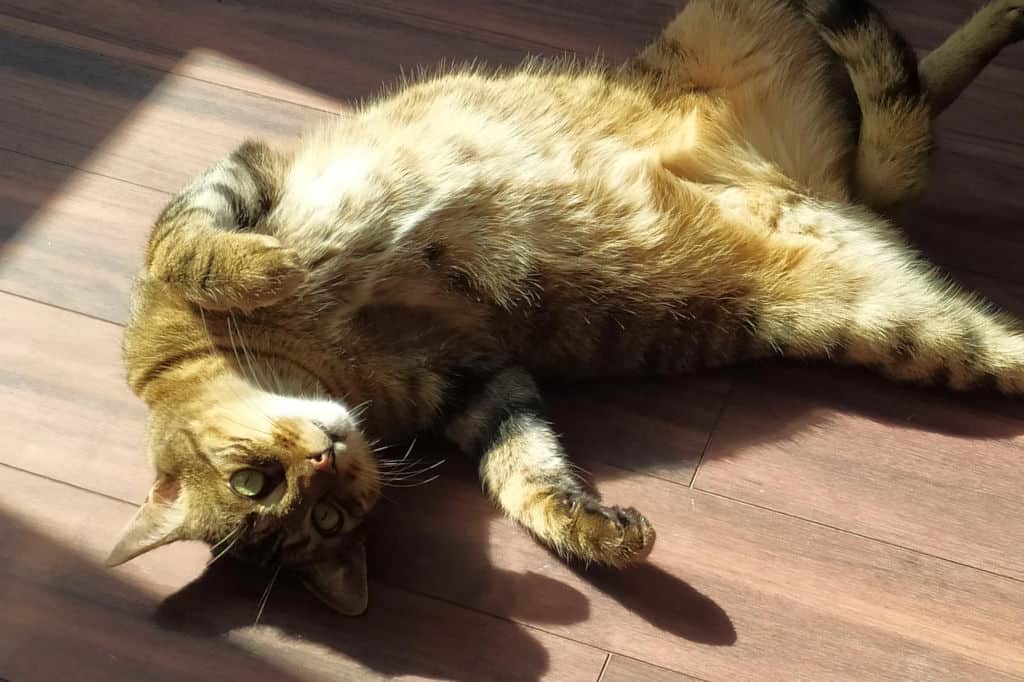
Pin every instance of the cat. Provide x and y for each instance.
(418, 266)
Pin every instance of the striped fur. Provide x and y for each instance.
(413, 268)
(207, 242)
(895, 127)
(524, 469)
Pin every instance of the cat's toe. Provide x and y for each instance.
(610, 535)
(1007, 18)
(270, 272)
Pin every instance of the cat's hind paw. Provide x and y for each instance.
(1006, 18)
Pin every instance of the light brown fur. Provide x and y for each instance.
(710, 202)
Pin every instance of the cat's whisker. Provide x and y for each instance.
(359, 410)
(253, 377)
(213, 349)
(398, 464)
(256, 374)
(215, 557)
(266, 594)
(413, 485)
(217, 545)
(401, 475)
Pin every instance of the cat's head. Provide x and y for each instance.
(276, 479)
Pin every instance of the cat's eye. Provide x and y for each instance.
(250, 482)
(327, 518)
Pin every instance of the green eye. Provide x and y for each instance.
(326, 517)
(249, 482)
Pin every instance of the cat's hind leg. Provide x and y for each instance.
(524, 469)
(768, 62)
(838, 282)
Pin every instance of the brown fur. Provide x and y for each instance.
(710, 202)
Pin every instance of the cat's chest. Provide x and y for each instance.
(398, 362)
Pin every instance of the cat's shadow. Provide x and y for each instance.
(401, 634)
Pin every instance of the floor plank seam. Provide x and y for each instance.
(490, 614)
(79, 169)
(862, 536)
(61, 308)
(66, 483)
(711, 432)
(408, 19)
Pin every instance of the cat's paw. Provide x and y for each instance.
(606, 535)
(1007, 17)
(270, 273)
(251, 271)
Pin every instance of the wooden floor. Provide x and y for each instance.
(814, 524)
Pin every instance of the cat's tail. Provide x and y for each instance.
(895, 132)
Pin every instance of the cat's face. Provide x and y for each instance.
(277, 479)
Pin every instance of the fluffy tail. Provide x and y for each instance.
(895, 134)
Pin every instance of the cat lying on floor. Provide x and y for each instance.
(416, 267)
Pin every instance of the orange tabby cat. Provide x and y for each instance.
(712, 201)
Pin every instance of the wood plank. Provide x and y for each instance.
(340, 51)
(918, 469)
(731, 591)
(65, 402)
(970, 218)
(66, 617)
(94, 112)
(622, 669)
(77, 247)
(199, 63)
(982, 122)
(659, 428)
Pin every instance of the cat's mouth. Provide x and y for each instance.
(325, 460)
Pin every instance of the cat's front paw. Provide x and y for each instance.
(271, 272)
(250, 271)
(607, 535)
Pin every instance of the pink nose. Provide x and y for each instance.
(323, 461)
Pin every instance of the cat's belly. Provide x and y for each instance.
(573, 342)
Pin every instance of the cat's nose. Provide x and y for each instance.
(324, 461)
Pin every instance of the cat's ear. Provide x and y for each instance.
(341, 583)
(159, 521)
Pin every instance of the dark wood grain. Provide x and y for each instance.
(125, 121)
(67, 411)
(657, 428)
(918, 469)
(343, 51)
(77, 248)
(67, 617)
